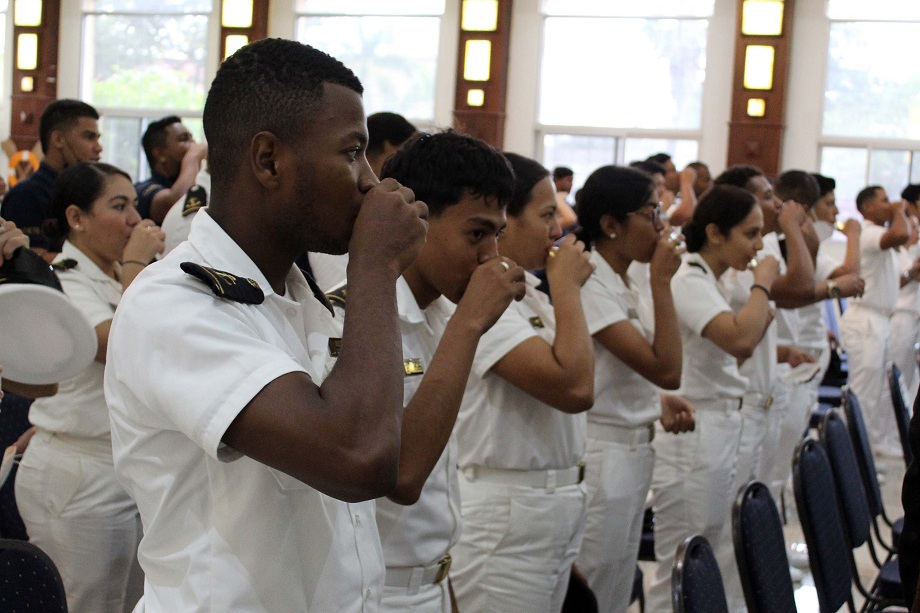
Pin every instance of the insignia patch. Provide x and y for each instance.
(335, 347)
(64, 264)
(536, 322)
(413, 366)
(196, 198)
(226, 285)
(698, 265)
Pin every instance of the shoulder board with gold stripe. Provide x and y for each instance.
(226, 285)
(337, 296)
(196, 198)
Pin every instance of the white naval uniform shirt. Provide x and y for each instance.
(502, 426)
(879, 267)
(622, 397)
(709, 373)
(422, 533)
(907, 295)
(176, 226)
(223, 532)
(79, 409)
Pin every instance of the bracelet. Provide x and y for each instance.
(765, 290)
(138, 262)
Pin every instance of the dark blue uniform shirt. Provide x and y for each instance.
(146, 190)
(28, 205)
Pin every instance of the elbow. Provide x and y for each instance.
(407, 491)
(742, 351)
(669, 381)
(578, 400)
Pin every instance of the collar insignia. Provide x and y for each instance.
(536, 322)
(413, 366)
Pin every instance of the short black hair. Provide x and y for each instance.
(527, 173)
(797, 185)
(444, 167)
(911, 193)
(611, 190)
(385, 128)
(155, 135)
(561, 172)
(272, 85)
(724, 205)
(79, 185)
(650, 166)
(697, 165)
(662, 158)
(866, 194)
(60, 115)
(739, 175)
(825, 184)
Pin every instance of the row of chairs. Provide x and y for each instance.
(840, 509)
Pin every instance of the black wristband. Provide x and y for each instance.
(765, 290)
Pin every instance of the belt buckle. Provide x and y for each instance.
(443, 569)
(581, 471)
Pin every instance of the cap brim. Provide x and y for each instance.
(43, 337)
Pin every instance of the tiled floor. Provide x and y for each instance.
(891, 473)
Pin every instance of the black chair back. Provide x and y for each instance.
(850, 490)
(696, 583)
(29, 580)
(901, 414)
(864, 458)
(816, 502)
(760, 549)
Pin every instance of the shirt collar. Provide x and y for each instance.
(532, 280)
(84, 264)
(605, 273)
(697, 260)
(409, 310)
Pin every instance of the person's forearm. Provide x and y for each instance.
(572, 346)
(28, 390)
(796, 287)
(666, 345)
(429, 418)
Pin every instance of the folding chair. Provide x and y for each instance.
(696, 583)
(760, 549)
(29, 580)
(901, 413)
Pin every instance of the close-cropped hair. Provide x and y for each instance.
(726, 206)
(444, 167)
(79, 185)
(697, 165)
(385, 128)
(662, 158)
(611, 190)
(527, 173)
(650, 166)
(825, 184)
(865, 195)
(911, 193)
(739, 175)
(561, 172)
(155, 135)
(61, 115)
(272, 85)
(797, 185)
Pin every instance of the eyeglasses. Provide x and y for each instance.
(653, 214)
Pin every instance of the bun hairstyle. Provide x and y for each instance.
(726, 206)
(78, 185)
(610, 190)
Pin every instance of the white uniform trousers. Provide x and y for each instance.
(905, 334)
(431, 598)
(692, 479)
(78, 514)
(755, 412)
(866, 336)
(517, 548)
(618, 477)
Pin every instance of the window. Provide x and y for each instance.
(621, 80)
(143, 59)
(871, 118)
(392, 47)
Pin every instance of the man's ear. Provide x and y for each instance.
(265, 151)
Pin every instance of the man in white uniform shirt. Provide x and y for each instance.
(905, 322)
(420, 521)
(254, 433)
(178, 221)
(865, 328)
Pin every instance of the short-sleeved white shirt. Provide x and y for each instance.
(422, 533)
(787, 320)
(760, 368)
(176, 226)
(502, 426)
(879, 267)
(223, 532)
(622, 397)
(907, 295)
(709, 373)
(79, 409)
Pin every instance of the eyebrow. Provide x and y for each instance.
(361, 137)
(485, 221)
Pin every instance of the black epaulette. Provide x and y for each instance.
(698, 265)
(317, 292)
(196, 198)
(226, 285)
(337, 296)
(65, 264)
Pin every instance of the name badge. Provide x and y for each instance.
(536, 322)
(413, 366)
(335, 347)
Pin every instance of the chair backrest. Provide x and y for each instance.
(819, 515)
(696, 583)
(864, 458)
(29, 580)
(901, 414)
(849, 484)
(760, 549)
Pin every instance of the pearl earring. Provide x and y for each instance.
(613, 235)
